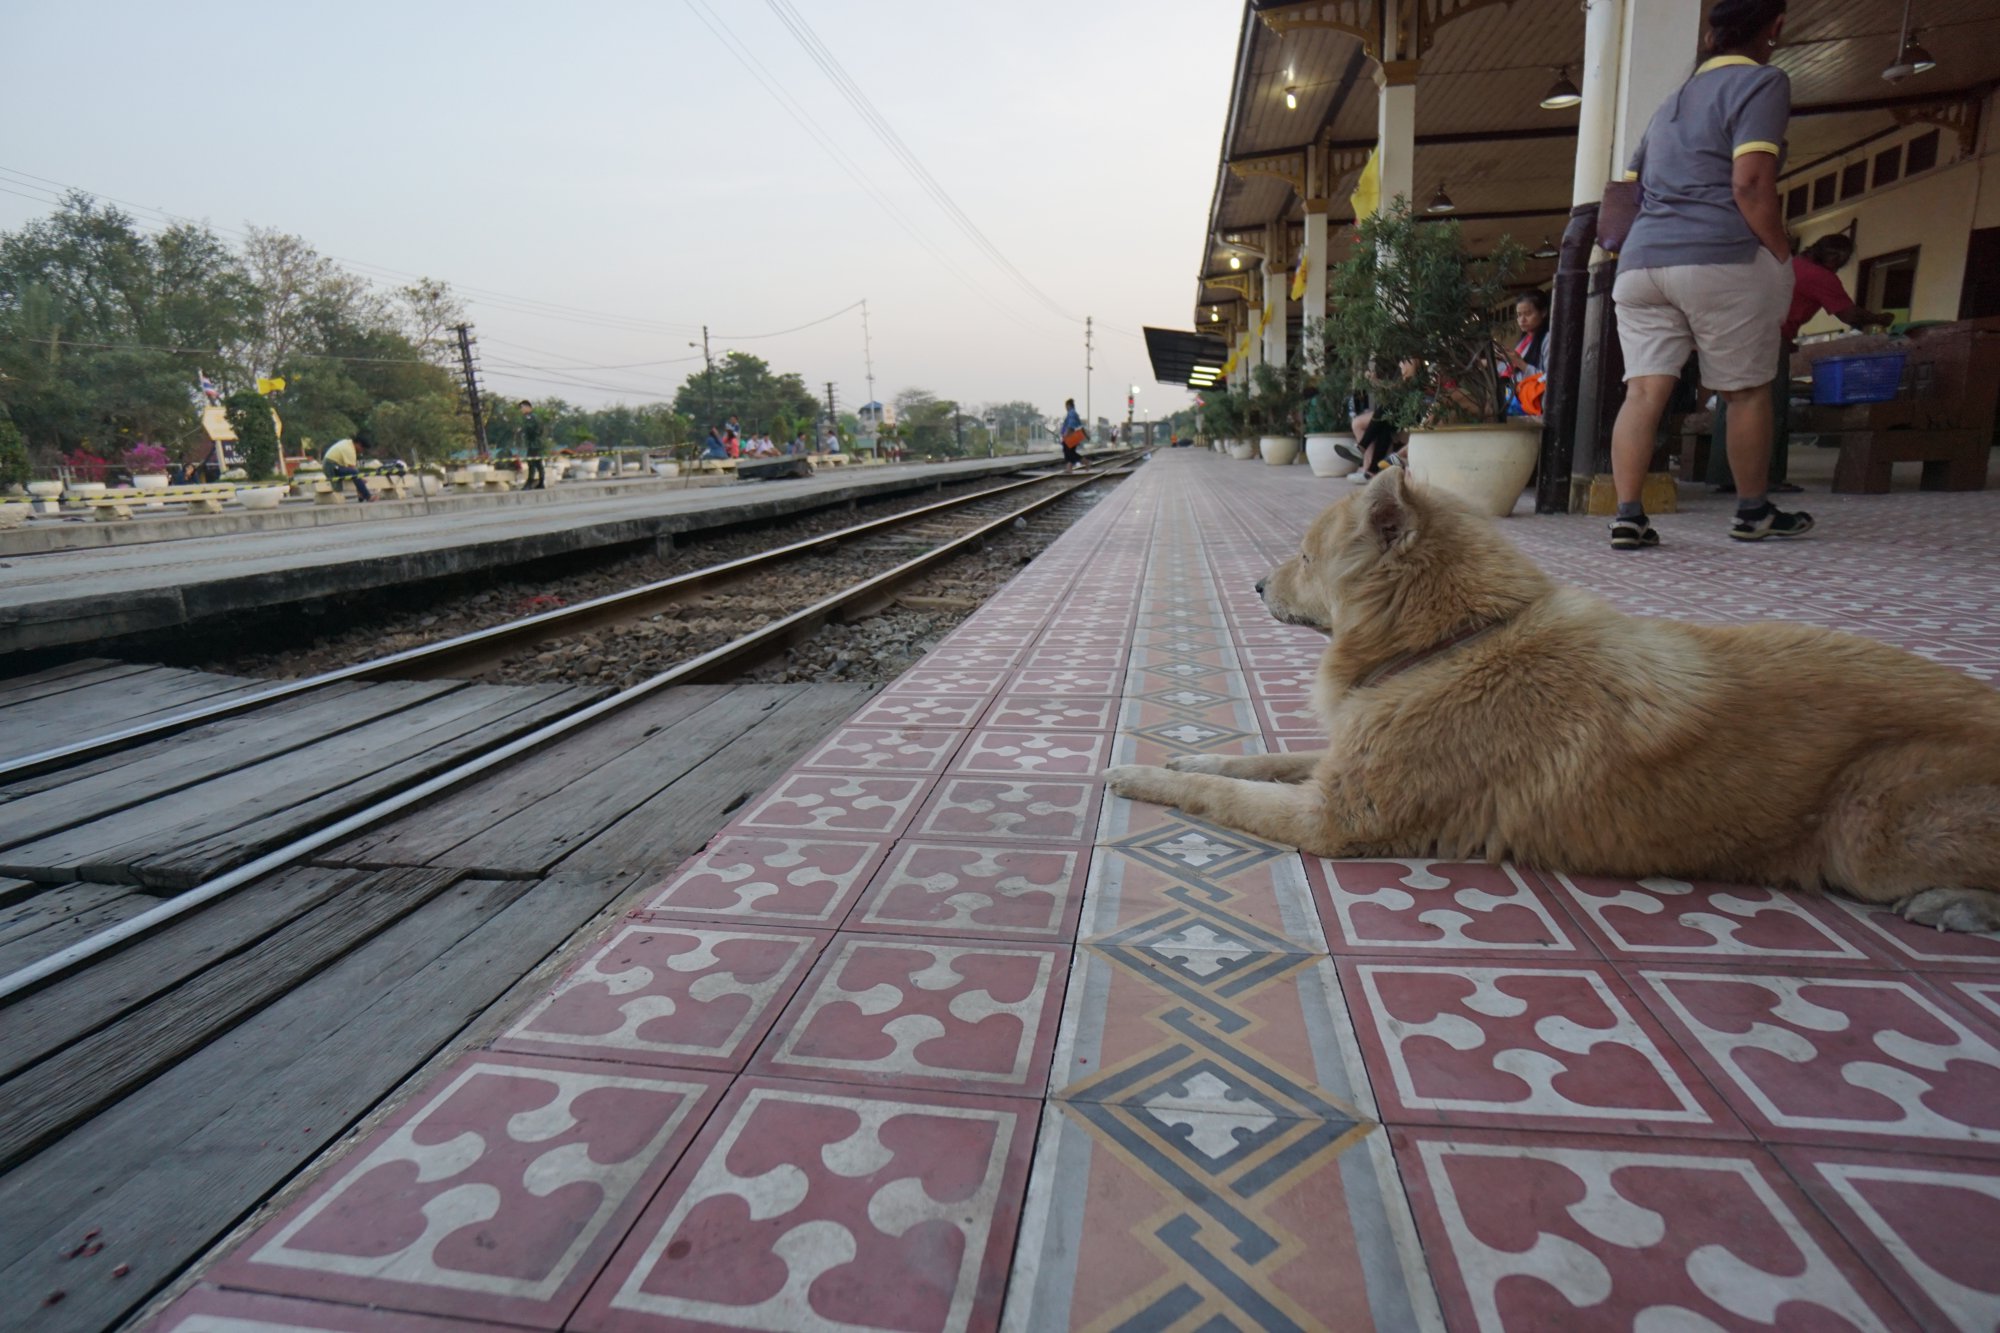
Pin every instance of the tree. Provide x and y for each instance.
(256, 434)
(742, 385)
(1015, 423)
(419, 429)
(304, 301)
(14, 466)
(923, 420)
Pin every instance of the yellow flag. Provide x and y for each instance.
(276, 384)
(1367, 196)
(1299, 278)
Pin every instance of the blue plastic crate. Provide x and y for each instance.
(1840, 380)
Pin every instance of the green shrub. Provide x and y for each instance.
(256, 433)
(14, 466)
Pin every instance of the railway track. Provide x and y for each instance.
(898, 548)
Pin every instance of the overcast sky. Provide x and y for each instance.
(619, 160)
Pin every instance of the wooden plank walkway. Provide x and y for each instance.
(161, 1096)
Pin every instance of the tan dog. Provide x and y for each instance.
(1474, 708)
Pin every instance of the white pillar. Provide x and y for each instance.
(1396, 130)
(1597, 121)
(1253, 343)
(1314, 305)
(1657, 43)
(1277, 300)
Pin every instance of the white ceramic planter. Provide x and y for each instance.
(45, 490)
(1323, 456)
(666, 469)
(261, 497)
(1279, 450)
(429, 483)
(149, 481)
(84, 490)
(1486, 466)
(479, 471)
(1242, 449)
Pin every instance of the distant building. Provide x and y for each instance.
(876, 416)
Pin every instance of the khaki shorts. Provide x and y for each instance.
(1730, 313)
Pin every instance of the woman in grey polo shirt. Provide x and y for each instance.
(1707, 266)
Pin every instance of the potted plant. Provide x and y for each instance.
(1415, 324)
(1230, 413)
(1276, 395)
(1327, 429)
(148, 465)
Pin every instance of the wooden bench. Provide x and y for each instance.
(1943, 417)
(117, 506)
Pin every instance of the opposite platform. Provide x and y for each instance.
(932, 1036)
(56, 598)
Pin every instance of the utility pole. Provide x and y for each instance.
(958, 429)
(832, 417)
(868, 358)
(472, 387)
(1089, 421)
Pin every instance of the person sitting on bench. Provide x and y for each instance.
(342, 459)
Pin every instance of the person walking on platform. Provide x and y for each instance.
(1073, 436)
(531, 440)
(342, 459)
(1707, 266)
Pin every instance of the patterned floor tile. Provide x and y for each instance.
(1290, 714)
(1925, 1224)
(1072, 657)
(1920, 948)
(970, 808)
(1048, 712)
(757, 877)
(870, 804)
(1057, 682)
(1981, 997)
(1079, 754)
(1528, 1046)
(1422, 907)
(207, 1309)
(1202, 889)
(1653, 919)
(1161, 1216)
(496, 1194)
(921, 710)
(1276, 656)
(686, 996)
(1849, 1060)
(1569, 1231)
(952, 658)
(926, 679)
(1263, 1035)
(958, 891)
(1295, 682)
(961, 1015)
(815, 1206)
(886, 749)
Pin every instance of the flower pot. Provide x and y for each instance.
(479, 472)
(1279, 450)
(261, 497)
(1242, 449)
(1323, 456)
(429, 483)
(149, 481)
(84, 490)
(666, 469)
(45, 490)
(1486, 466)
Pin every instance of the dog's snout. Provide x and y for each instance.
(1260, 586)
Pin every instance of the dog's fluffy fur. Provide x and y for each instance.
(1573, 737)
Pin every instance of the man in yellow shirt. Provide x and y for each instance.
(341, 459)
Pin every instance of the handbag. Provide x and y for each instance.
(1617, 213)
(1075, 438)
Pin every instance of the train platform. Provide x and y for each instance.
(57, 598)
(932, 1035)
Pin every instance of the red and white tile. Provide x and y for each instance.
(757, 877)
(996, 892)
(1839, 1059)
(1654, 919)
(926, 679)
(886, 749)
(973, 808)
(870, 804)
(1421, 907)
(1573, 1231)
(1059, 682)
(206, 1309)
(1043, 753)
(686, 996)
(961, 1015)
(816, 1206)
(1548, 1046)
(1074, 657)
(921, 710)
(1048, 712)
(1925, 1224)
(497, 1194)
(1919, 948)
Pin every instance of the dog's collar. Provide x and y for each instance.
(1398, 665)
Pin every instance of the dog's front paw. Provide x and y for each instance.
(1135, 782)
(1973, 911)
(1197, 763)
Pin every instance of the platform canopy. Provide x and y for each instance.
(1179, 357)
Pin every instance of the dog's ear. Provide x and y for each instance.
(1392, 511)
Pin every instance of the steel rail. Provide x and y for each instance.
(761, 641)
(431, 660)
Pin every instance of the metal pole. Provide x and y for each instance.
(472, 387)
(1089, 420)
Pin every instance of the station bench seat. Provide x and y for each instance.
(117, 506)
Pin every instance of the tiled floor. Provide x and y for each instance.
(934, 1037)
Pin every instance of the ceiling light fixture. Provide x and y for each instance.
(1911, 57)
(1564, 94)
(1441, 202)
(1214, 315)
(1236, 261)
(1291, 99)
(1548, 249)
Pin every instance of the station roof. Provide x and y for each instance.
(1481, 132)
(1179, 357)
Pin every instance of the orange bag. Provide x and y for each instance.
(1075, 438)
(1530, 392)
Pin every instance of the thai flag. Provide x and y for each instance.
(208, 389)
